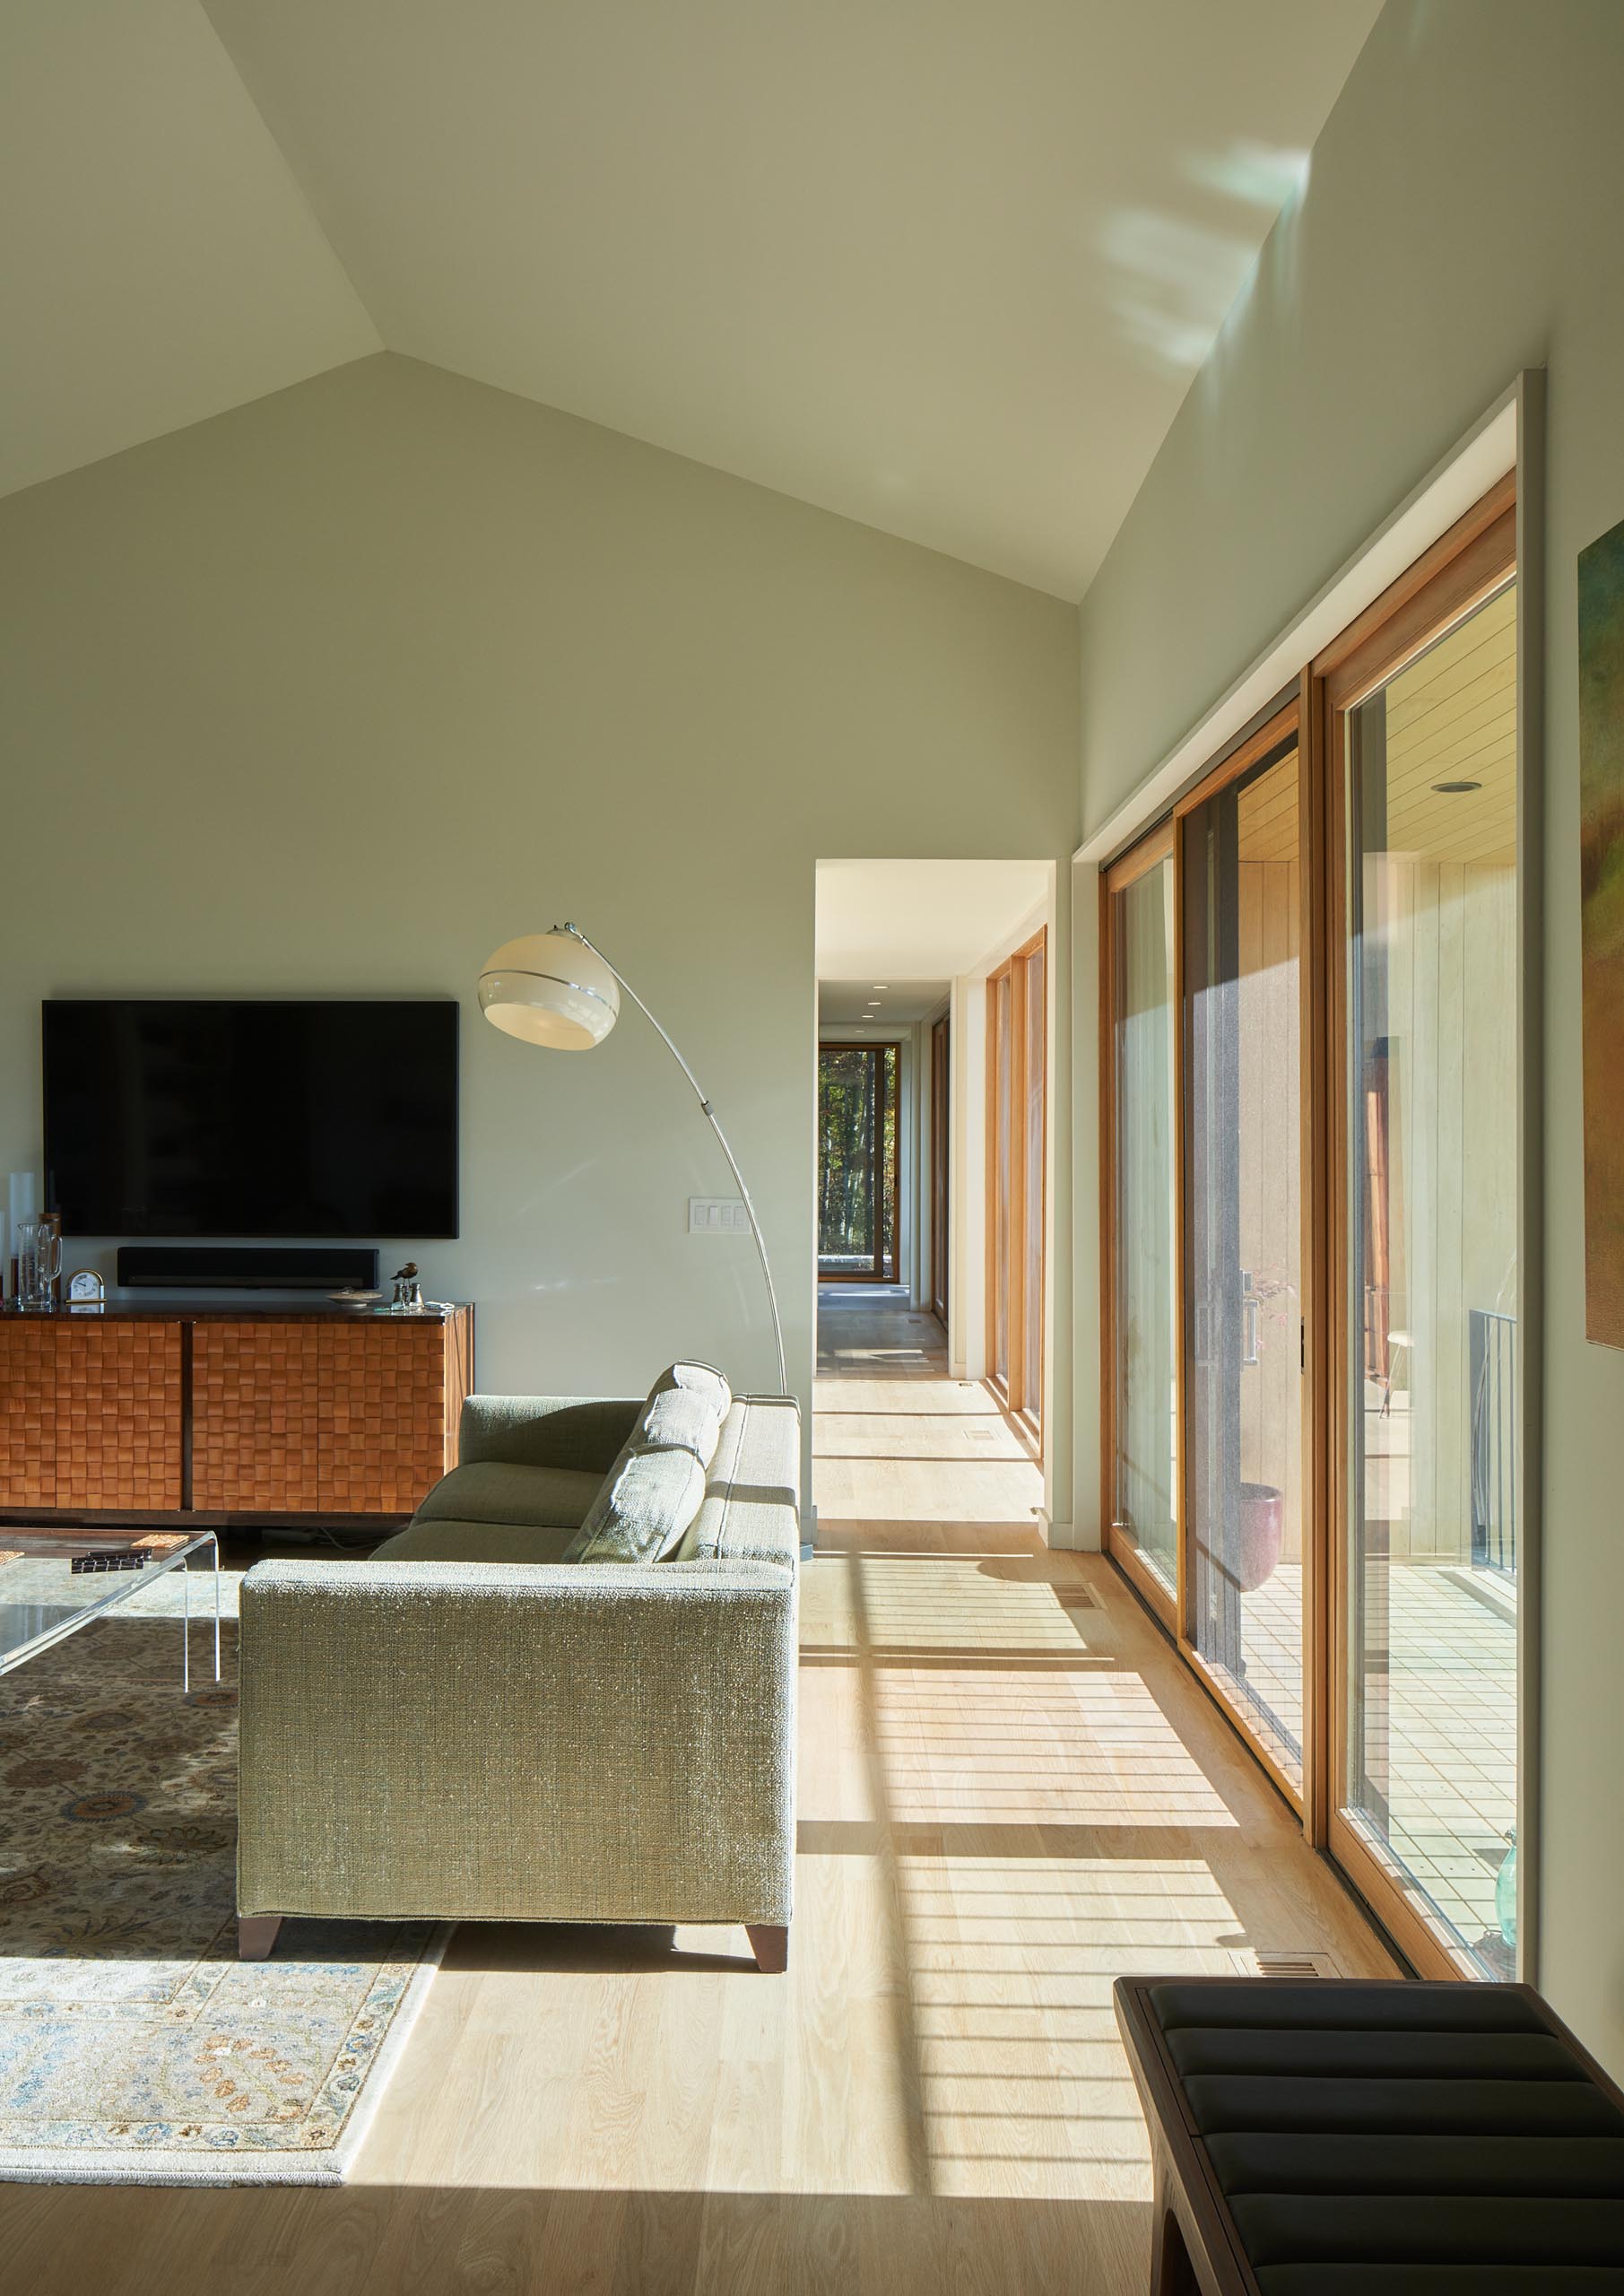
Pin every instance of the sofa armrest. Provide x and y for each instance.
(537, 1742)
(583, 1432)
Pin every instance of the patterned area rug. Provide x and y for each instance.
(133, 2046)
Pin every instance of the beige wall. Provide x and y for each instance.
(334, 692)
(1460, 223)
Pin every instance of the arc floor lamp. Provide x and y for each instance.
(557, 989)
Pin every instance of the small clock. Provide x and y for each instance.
(85, 1288)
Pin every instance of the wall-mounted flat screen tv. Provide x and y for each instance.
(251, 1118)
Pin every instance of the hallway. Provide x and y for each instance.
(895, 1440)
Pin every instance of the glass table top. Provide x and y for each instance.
(43, 1596)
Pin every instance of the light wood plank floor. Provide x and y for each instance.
(1011, 1792)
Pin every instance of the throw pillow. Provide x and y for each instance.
(655, 1489)
(696, 1378)
(648, 1500)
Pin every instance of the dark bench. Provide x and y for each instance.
(1341, 2138)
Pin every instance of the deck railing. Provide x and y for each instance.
(1492, 1353)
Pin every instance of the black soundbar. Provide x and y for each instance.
(247, 1267)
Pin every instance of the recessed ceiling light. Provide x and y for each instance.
(882, 984)
(1454, 789)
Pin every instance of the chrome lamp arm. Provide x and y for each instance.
(715, 1124)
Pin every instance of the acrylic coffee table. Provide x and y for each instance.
(43, 1599)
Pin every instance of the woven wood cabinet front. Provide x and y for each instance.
(302, 1416)
(305, 1418)
(386, 1436)
(255, 1417)
(118, 1422)
(28, 1414)
(91, 1415)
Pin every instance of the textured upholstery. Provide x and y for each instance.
(677, 1418)
(498, 1490)
(652, 1491)
(443, 1539)
(648, 1499)
(1400, 2139)
(749, 1513)
(1440, 2280)
(530, 1741)
(702, 1380)
(579, 1431)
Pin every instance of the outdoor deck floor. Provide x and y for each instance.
(1440, 1719)
(1451, 1724)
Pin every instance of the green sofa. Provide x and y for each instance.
(466, 1726)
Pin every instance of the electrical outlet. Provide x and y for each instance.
(717, 1215)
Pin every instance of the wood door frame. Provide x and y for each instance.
(1152, 850)
(1465, 568)
(941, 1166)
(1282, 720)
(877, 1045)
(1011, 1392)
(1030, 1412)
(1284, 723)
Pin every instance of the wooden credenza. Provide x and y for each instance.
(228, 1414)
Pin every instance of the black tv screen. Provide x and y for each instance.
(170, 1117)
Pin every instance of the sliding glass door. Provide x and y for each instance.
(857, 1166)
(1241, 890)
(1313, 1209)
(1425, 1772)
(1141, 1220)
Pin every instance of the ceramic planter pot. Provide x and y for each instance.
(1262, 1524)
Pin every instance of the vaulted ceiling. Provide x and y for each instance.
(946, 266)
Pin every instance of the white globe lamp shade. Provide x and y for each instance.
(551, 989)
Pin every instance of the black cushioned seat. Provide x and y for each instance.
(1351, 2139)
(1590, 2168)
(1364, 2053)
(1401, 2108)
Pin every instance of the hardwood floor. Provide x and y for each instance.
(1010, 1793)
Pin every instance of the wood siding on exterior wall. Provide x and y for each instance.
(1450, 933)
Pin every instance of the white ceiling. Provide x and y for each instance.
(921, 920)
(159, 263)
(846, 1003)
(941, 265)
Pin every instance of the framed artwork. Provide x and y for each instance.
(1602, 926)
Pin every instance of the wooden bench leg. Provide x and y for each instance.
(256, 1936)
(1172, 2273)
(770, 1946)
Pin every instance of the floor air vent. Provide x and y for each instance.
(1079, 1598)
(1266, 1962)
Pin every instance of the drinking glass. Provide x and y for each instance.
(38, 1260)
